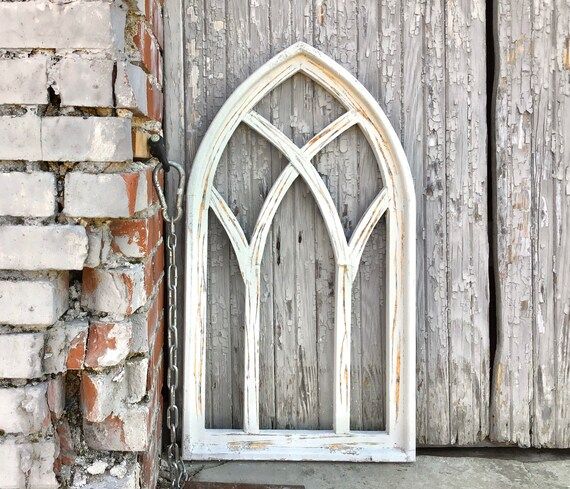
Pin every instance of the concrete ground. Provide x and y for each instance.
(487, 468)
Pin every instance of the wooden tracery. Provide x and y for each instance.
(396, 200)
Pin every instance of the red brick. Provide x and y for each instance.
(66, 450)
(161, 297)
(108, 344)
(153, 12)
(56, 396)
(158, 263)
(76, 354)
(89, 394)
(153, 269)
(155, 361)
(126, 431)
(135, 238)
(150, 52)
(152, 196)
(154, 364)
(150, 459)
(152, 318)
(148, 276)
(155, 100)
(102, 393)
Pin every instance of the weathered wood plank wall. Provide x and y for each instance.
(531, 378)
(425, 64)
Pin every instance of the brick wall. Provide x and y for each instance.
(81, 250)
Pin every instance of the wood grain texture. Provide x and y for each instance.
(423, 62)
(467, 225)
(443, 130)
(530, 404)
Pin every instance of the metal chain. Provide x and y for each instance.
(178, 473)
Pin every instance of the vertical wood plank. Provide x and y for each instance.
(240, 171)
(379, 70)
(218, 340)
(412, 136)
(531, 369)
(467, 232)
(258, 152)
(443, 133)
(436, 245)
(512, 376)
(261, 154)
(544, 252)
(307, 395)
(560, 136)
(347, 160)
(283, 242)
(325, 32)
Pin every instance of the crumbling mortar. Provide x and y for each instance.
(17, 110)
(148, 125)
(17, 275)
(27, 166)
(24, 53)
(27, 221)
(4, 383)
(106, 167)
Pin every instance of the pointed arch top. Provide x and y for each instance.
(397, 200)
(303, 58)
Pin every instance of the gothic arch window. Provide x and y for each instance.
(396, 200)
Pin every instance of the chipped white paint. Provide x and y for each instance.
(530, 394)
(397, 200)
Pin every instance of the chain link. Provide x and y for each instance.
(178, 473)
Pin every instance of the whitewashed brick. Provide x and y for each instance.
(102, 393)
(140, 332)
(108, 344)
(23, 81)
(33, 302)
(55, 247)
(105, 194)
(136, 371)
(107, 392)
(131, 87)
(56, 396)
(126, 430)
(27, 194)
(114, 290)
(65, 339)
(42, 24)
(24, 464)
(84, 82)
(30, 137)
(90, 139)
(24, 409)
(99, 245)
(21, 355)
(20, 136)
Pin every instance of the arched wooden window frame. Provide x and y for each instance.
(396, 199)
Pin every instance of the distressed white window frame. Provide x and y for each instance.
(396, 200)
